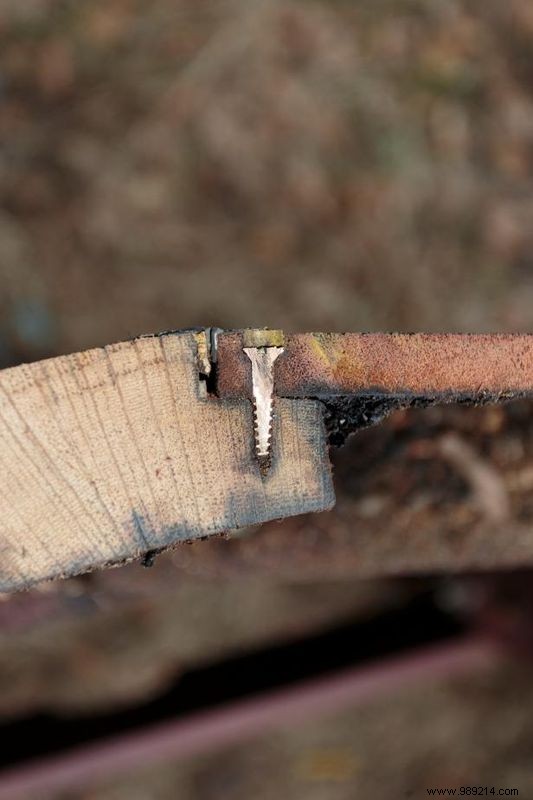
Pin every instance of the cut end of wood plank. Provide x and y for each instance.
(118, 451)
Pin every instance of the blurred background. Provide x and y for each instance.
(306, 165)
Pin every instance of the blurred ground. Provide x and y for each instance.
(305, 165)
(444, 734)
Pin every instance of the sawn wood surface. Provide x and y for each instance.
(114, 452)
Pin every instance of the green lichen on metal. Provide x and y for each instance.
(262, 337)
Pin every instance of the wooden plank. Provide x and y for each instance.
(111, 453)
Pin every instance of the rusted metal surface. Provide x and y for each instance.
(234, 369)
(420, 365)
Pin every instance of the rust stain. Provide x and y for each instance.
(425, 365)
(421, 364)
(234, 369)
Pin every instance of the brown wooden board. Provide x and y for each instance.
(111, 453)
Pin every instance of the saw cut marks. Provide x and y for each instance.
(108, 454)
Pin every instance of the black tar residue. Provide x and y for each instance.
(347, 414)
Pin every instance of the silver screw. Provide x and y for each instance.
(263, 359)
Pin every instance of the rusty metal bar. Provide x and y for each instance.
(421, 365)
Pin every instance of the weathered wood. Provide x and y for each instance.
(111, 453)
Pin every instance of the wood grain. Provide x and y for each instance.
(111, 453)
